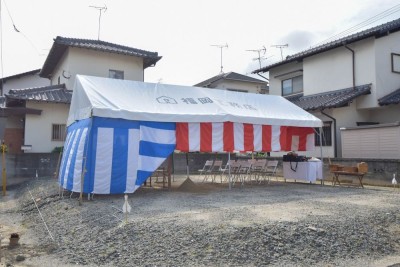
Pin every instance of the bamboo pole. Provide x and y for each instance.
(3, 148)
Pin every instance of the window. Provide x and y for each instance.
(116, 74)
(326, 134)
(395, 63)
(237, 90)
(58, 132)
(292, 85)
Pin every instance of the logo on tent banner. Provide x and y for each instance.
(203, 100)
(166, 100)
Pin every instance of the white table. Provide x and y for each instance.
(308, 171)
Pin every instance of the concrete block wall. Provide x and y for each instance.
(380, 172)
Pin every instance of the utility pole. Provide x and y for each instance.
(221, 47)
(100, 9)
(280, 47)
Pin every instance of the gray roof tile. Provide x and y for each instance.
(53, 93)
(61, 44)
(392, 98)
(378, 31)
(332, 99)
(233, 76)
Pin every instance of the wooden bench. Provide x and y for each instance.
(336, 174)
(338, 170)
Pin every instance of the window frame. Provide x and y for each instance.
(237, 90)
(60, 133)
(395, 60)
(120, 72)
(327, 138)
(291, 81)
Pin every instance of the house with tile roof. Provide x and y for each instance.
(12, 117)
(233, 81)
(45, 123)
(348, 82)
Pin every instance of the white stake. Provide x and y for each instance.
(394, 181)
(126, 208)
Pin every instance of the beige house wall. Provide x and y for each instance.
(94, 63)
(40, 126)
(239, 85)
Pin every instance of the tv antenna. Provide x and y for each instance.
(221, 47)
(280, 47)
(261, 52)
(100, 9)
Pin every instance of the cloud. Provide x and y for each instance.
(298, 40)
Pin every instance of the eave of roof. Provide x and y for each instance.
(331, 99)
(377, 31)
(392, 98)
(61, 44)
(8, 111)
(19, 75)
(232, 76)
(53, 94)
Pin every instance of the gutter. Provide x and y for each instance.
(353, 62)
(334, 132)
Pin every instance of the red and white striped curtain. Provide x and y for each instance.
(230, 136)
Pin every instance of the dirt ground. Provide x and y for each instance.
(32, 252)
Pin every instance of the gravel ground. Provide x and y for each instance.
(280, 224)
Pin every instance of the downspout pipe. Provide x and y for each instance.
(353, 62)
(334, 132)
(263, 76)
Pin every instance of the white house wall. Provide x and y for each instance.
(347, 117)
(239, 85)
(337, 71)
(23, 82)
(386, 114)
(94, 63)
(40, 126)
(386, 80)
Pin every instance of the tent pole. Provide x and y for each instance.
(187, 165)
(84, 161)
(169, 169)
(320, 147)
(229, 170)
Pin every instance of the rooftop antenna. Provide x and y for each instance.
(220, 47)
(100, 9)
(280, 47)
(263, 50)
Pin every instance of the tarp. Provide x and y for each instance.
(133, 100)
(121, 131)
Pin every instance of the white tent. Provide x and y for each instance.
(120, 131)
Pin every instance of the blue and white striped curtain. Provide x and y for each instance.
(117, 155)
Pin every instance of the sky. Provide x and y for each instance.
(187, 34)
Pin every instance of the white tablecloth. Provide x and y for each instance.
(309, 171)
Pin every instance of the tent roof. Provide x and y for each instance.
(133, 100)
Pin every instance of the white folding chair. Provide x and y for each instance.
(207, 166)
(244, 171)
(215, 169)
(257, 169)
(270, 169)
(235, 168)
(225, 169)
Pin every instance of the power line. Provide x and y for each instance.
(1, 49)
(18, 31)
(361, 25)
